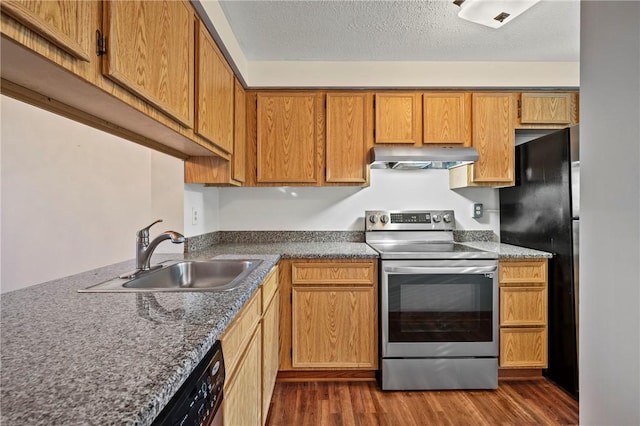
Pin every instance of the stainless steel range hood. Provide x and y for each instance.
(411, 158)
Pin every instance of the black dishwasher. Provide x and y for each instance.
(200, 396)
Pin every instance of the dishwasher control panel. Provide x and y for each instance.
(200, 396)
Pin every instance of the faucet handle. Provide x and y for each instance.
(144, 232)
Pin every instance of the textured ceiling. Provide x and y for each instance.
(424, 30)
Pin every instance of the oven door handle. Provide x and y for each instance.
(439, 270)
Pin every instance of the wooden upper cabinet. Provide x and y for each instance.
(64, 23)
(546, 108)
(494, 138)
(349, 137)
(398, 117)
(288, 138)
(151, 53)
(240, 133)
(214, 93)
(446, 118)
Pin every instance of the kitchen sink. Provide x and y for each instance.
(183, 275)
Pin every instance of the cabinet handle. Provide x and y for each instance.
(101, 44)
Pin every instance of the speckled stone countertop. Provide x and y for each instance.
(104, 358)
(308, 250)
(508, 251)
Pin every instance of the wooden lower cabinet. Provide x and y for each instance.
(242, 402)
(250, 348)
(523, 313)
(332, 327)
(329, 315)
(270, 355)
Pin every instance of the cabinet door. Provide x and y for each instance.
(151, 53)
(349, 132)
(270, 352)
(214, 93)
(494, 137)
(332, 327)
(398, 117)
(523, 347)
(545, 108)
(287, 138)
(446, 118)
(240, 133)
(242, 402)
(64, 23)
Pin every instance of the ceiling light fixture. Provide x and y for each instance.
(492, 13)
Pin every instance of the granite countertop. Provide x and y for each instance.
(308, 250)
(111, 358)
(105, 358)
(508, 251)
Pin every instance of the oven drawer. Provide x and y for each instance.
(523, 347)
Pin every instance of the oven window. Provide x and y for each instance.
(440, 308)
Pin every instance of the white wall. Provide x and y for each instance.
(342, 208)
(204, 200)
(73, 197)
(610, 213)
(412, 74)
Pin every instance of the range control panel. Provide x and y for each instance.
(415, 220)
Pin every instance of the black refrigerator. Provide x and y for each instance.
(542, 212)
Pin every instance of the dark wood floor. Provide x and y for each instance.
(522, 402)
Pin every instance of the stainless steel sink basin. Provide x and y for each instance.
(185, 275)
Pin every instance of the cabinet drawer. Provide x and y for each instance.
(240, 330)
(523, 306)
(269, 287)
(530, 272)
(523, 347)
(335, 273)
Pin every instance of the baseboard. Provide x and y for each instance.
(327, 376)
(520, 374)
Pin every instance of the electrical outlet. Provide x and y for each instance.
(195, 216)
(477, 210)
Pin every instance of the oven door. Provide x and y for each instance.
(439, 308)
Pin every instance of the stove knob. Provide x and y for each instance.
(436, 218)
(384, 218)
(373, 219)
(447, 218)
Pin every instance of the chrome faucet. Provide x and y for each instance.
(144, 248)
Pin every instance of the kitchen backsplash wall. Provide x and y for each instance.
(73, 197)
(342, 208)
(202, 202)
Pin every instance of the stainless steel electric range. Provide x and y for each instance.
(438, 303)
